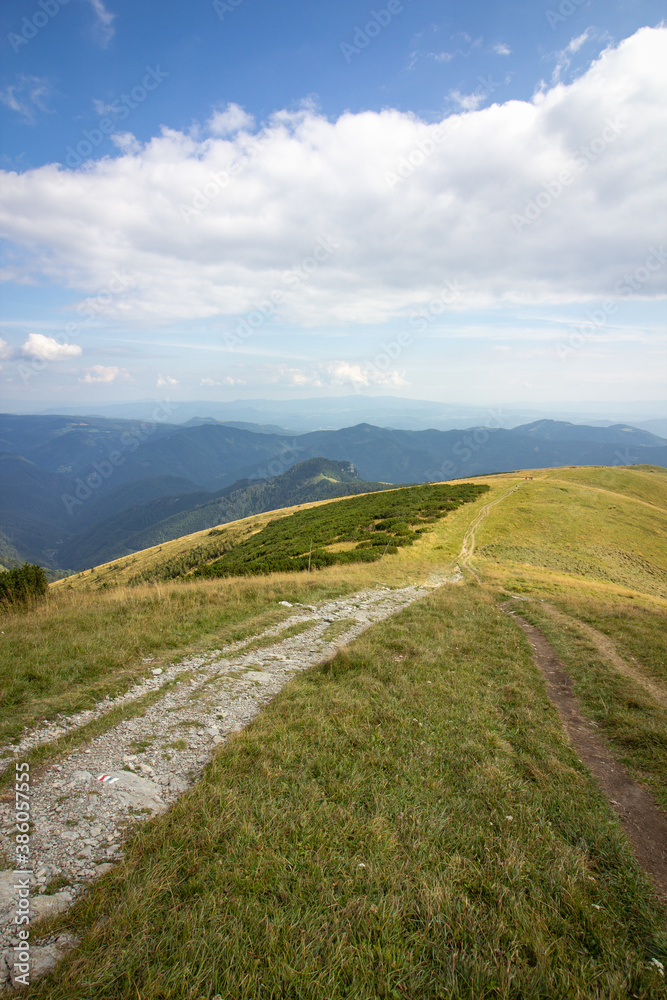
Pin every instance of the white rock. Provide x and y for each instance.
(157, 671)
(46, 906)
(177, 785)
(81, 778)
(135, 791)
(258, 675)
(286, 604)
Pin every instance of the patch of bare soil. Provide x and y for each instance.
(642, 821)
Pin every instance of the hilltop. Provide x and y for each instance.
(408, 808)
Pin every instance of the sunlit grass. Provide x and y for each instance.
(406, 820)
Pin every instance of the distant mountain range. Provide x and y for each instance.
(299, 416)
(79, 490)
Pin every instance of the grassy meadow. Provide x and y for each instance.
(407, 820)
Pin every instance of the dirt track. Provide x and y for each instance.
(643, 822)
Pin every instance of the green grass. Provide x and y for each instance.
(73, 651)
(270, 640)
(407, 820)
(356, 841)
(580, 530)
(638, 632)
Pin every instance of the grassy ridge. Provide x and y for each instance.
(355, 841)
(563, 523)
(404, 821)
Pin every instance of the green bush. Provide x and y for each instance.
(24, 585)
(378, 522)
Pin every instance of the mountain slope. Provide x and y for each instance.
(161, 520)
(87, 471)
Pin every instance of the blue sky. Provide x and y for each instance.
(242, 198)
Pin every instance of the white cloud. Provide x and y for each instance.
(227, 380)
(209, 226)
(332, 373)
(231, 120)
(501, 49)
(166, 380)
(564, 58)
(48, 349)
(104, 28)
(103, 109)
(466, 102)
(102, 373)
(28, 95)
(576, 43)
(6, 350)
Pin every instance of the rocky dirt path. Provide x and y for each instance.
(643, 822)
(83, 805)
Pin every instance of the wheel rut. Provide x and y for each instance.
(642, 821)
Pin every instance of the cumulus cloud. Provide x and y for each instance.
(231, 120)
(501, 49)
(104, 373)
(211, 225)
(6, 350)
(166, 380)
(466, 102)
(48, 349)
